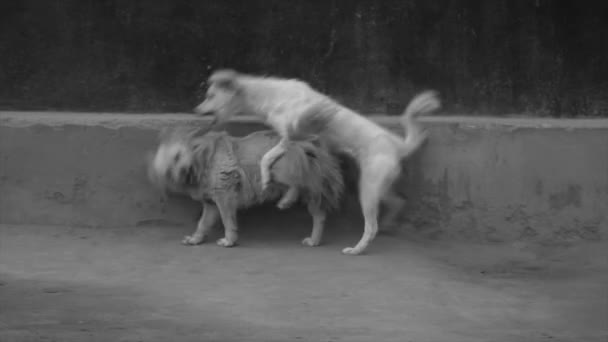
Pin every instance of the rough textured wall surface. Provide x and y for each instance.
(477, 178)
(539, 57)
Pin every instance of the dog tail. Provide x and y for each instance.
(423, 103)
(316, 170)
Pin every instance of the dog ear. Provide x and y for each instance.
(225, 78)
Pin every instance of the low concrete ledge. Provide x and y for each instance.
(477, 178)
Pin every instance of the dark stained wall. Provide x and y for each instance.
(535, 57)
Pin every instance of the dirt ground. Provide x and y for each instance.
(139, 284)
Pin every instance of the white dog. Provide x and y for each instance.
(294, 108)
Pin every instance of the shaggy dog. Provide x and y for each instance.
(223, 173)
(294, 109)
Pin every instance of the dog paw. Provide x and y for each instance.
(192, 240)
(309, 242)
(223, 242)
(351, 251)
(285, 204)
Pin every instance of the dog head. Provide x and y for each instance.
(223, 98)
(171, 168)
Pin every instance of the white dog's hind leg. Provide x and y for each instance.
(318, 225)
(269, 159)
(377, 175)
(206, 222)
(290, 196)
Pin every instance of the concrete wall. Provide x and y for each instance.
(482, 179)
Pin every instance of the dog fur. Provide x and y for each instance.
(294, 109)
(222, 172)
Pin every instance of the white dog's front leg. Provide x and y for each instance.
(269, 159)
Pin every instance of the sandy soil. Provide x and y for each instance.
(139, 284)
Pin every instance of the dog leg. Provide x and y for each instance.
(318, 225)
(206, 222)
(289, 198)
(228, 213)
(369, 203)
(269, 159)
(377, 175)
